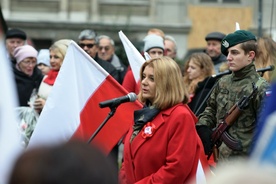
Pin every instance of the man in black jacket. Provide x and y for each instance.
(88, 41)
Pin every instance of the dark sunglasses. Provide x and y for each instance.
(82, 45)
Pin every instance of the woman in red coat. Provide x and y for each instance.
(162, 146)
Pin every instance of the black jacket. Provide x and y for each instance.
(198, 102)
(25, 84)
(108, 67)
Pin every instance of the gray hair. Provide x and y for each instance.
(88, 34)
(170, 38)
(107, 37)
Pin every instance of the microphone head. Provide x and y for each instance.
(132, 97)
(272, 67)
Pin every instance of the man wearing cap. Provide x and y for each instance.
(213, 48)
(14, 38)
(240, 48)
(154, 45)
(88, 41)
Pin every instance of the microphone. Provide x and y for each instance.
(221, 74)
(131, 97)
(269, 68)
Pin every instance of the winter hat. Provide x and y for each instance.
(153, 41)
(44, 57)
(215, 36)
(235, 38)
(16, 33)
(25, 51)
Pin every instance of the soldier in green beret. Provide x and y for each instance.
(240, 48)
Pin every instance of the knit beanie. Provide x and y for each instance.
(153, 41)
(44, 57)
(25, 51)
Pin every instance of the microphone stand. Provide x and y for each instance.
(110, 114)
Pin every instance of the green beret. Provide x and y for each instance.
(235, 38)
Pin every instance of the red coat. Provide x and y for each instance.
(171, 155)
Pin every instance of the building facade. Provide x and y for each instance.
(187, 20)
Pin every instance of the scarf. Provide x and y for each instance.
(141, 117)
(51, 77)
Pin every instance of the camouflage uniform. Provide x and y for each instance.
(229, 90)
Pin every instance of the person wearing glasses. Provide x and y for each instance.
(107, 52)
(26, 77)
(88, 41)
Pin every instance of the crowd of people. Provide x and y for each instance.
(183, 105)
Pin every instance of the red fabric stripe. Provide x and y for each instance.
(92, 116)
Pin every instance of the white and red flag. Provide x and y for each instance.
(135, 58)
(72, 109)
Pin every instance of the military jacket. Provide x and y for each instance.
(228, 91)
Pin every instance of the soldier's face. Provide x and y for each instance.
(237, 59)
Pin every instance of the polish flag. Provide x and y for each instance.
(72, 109)
(135, 58)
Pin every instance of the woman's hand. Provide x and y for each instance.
(39, 104)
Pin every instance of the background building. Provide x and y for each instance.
(187, 20)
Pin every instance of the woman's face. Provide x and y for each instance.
(148, 87)
(27, 65)
(56, 59)
(193, 71)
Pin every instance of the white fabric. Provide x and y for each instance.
(10, 145)
(135, 58)
(75, 83)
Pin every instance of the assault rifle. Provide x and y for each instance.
(220, 133)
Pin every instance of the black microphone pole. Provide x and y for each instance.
(110, 114)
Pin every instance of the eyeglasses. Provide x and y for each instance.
(105, 48)
(90, 45)
(29, 63)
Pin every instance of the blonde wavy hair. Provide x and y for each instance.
(266, 55)
(204, 62)
(170, 89)
(60, 47)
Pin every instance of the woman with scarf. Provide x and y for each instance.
(162, 146)
(57, 54)
(27, 76)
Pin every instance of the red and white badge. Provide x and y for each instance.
(148, 130)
